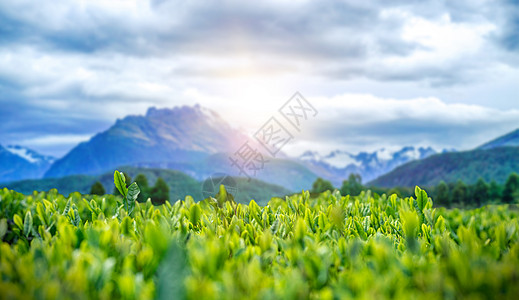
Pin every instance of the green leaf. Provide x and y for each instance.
(18, 221)
(27, 224)
(133, 192)
(41, 213)
(195, 214)
(222, 195)
(3, 228)
(77, 218)
(120, 183)
(360, 229)
(67, 207)
(421, 197)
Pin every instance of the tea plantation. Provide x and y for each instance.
(330, 247)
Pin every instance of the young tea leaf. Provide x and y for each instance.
(18, 221)
(120, 183)
(27, 224)
(133, 192)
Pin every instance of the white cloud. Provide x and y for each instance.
(360, 122)
(65, 139)
(70, 61)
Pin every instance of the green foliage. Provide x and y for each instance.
(352, 186)
(494, 191)
(142, 182)
(180, 185)
(97, 189)
(329, 247)
(442, 193)
(223, 196)
(127, 179)
(511, 190)
(460, 192)
(481, 190)
(320, 185)
(160, 192)
(129, 194)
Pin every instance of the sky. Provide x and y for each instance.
(380, 73)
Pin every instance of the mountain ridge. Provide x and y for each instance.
(510, 139)
(18, 162)
(161, 135)
(339, 164)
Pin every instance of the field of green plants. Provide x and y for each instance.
(329, 247)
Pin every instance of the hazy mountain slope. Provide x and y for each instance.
(508, 140)
(180, 134)
(284, 172)
(491, 164)
(17, 163)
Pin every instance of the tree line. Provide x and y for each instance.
(444, 194)
(159, 193)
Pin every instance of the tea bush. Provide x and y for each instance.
(329, 247)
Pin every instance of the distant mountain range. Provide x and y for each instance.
(198, 142)
(194, 140)
(338, 164)
(495, 160)
(18, 163)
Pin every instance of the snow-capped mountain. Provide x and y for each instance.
(17, 163)
(29, 155)
(338, 164)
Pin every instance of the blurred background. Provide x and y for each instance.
(401, 94)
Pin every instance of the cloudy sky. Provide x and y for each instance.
(431, 73)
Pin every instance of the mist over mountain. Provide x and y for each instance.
(17, 162)
(338, 164)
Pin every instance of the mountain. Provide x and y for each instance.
(193, 140)
(181, 134)
(490, 164)
(180, 185)
(511, 139)
(285, 172)
(338, 164)
(17, 163)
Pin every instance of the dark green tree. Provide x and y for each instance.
(142, 182)
(481, 190)
(160, 192)
(460, 192)
(320, 185)
(511, 190)
(495, 191)
(97, 189)
(352, 186)
(442, 193)
(128, 180)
